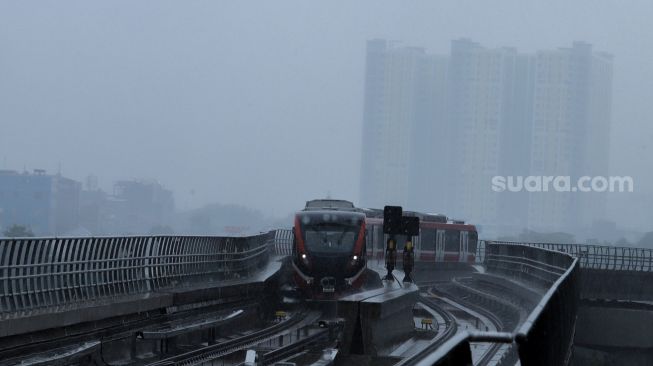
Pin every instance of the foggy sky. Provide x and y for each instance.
(260, 103)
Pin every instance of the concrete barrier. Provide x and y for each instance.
(377, 319)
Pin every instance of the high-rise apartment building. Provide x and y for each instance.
(570, 133)
(488, 124)
(429, 144)
(400, 103)
(438, 128)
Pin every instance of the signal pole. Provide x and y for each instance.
(409, 258)
(390, 257)
(394, 223)
(391, 226)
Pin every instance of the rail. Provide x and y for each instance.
(601, 256)
(294, 348)
(50, 274)
(440, 339)
(214, 351)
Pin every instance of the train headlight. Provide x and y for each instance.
(355, 257)
(304, 259)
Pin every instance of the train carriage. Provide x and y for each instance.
(440, 240)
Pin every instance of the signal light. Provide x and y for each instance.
(392, 223)
(410, 226)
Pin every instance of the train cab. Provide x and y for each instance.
(329, 249)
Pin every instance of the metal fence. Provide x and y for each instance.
(601, 256)
(283, 239)
(526, 263)
(589, 256)
(44, 273)
(546, 336)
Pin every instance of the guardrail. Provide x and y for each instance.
(546, 337)
(602, 257)
(51, 273)
(283, 239)
(526, 263)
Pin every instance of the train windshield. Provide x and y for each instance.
(330, 238)
(330, 232)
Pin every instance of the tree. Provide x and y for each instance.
(18, 231)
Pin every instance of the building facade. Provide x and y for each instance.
(489, 130)
(402, 87)
(436, 130)
(137, 206)
(47, 204)
(570, 133)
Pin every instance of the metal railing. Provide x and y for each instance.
(525, 262)
(589, 256)
(601, 256)
(546, 336)
(283, 239)
(51, 273)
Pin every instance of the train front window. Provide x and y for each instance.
(330, 238)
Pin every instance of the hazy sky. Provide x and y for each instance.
(260, 103)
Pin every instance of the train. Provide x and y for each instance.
(333, 239)
(329, 247)
(440, 239)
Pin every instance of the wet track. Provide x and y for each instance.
(451, 305)
(191, 320)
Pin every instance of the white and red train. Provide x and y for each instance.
(332, 241)
(440, 239)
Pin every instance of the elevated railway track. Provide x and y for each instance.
(180, 285)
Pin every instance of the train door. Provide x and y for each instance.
(439, 246)
(463, 247)
(426, 245)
